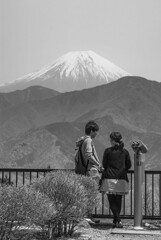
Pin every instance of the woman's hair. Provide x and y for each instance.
(117, 137)
(91, 126)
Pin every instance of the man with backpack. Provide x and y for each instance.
(87, 161)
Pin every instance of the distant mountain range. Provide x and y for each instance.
(39, 129)
(34, 93)
(73, 71)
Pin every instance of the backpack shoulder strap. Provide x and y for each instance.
(85, 166)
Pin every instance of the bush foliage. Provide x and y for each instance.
(54, 203)
(91, 191)
(22, 207)
(73, 196)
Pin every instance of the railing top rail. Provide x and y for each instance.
(152, 172)
(32, 169)
(51, 169)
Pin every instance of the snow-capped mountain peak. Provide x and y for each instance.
(87, 61)
(75, 70)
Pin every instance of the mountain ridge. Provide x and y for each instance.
(42, 132)
(54, 145)
(114, 99)
(32, 93)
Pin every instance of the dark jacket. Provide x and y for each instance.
(116, 163)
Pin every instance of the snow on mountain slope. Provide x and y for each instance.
(75, 63)
(73, 71)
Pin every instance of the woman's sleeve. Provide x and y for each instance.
(127, 160)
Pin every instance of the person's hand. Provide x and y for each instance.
(101, 169)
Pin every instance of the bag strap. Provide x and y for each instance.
(86, 167)
(81, 155)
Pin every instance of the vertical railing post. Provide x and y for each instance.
(145, 195)
(160, 194)
(131, 195)
(103, 203)
(138, 189)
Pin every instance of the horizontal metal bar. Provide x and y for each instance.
(125, 216)
(32, 170)
(49, 169)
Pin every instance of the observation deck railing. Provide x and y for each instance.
(151, 191)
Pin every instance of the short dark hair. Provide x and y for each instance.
(91, 126)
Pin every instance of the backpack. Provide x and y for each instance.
(80, 166)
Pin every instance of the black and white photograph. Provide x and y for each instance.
(80, 119)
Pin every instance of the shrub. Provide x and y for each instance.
(19, 207)
(92, 193)
(70, 196)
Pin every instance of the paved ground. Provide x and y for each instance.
(104, 231)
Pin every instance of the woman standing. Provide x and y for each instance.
(116, 162)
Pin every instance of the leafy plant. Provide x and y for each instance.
(69, 193)
(91, 191)
(21, 208)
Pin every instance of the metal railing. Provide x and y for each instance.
(151, 191)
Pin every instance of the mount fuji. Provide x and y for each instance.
(75, 70)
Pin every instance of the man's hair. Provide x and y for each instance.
(91, 126)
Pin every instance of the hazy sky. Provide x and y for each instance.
(36, 32)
